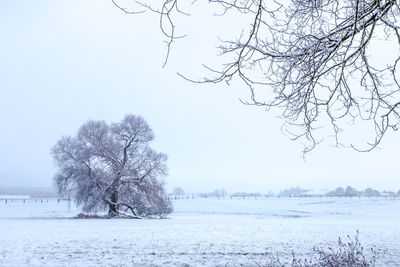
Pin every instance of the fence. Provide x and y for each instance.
(7, 200)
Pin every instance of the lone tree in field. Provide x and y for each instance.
(112, 167)
(314, 59)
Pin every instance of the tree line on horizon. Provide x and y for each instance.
(368, 192)
(348, 191)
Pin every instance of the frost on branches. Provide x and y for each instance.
(318, 61)
(112, 167)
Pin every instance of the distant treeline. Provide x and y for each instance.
(180, 193)
(291, 192)
(368, 192)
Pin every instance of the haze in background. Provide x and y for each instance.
(65, 62)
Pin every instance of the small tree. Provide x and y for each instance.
(178, 191)
(351, 192)
(369, 192)
(338, 192)
(112, 166)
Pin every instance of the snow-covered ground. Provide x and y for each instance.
(200, 232)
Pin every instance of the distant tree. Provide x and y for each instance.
(351, 192)
(312, 59)
(178, 191)
(218, 193)
(112, 167)
(369, 192)
(222, 192)
(292, 191)
(348, 192)
(338, 192)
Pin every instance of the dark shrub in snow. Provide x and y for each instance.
(346, 254)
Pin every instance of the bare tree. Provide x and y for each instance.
(314, 57)
(178, 191)
(112, 166)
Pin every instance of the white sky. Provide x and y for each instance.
(65, 62)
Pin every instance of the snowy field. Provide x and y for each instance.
(210, 232)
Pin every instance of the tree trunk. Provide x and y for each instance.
(112, 207)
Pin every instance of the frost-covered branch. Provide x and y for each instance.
(312, 60)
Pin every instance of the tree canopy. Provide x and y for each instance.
(112, 167)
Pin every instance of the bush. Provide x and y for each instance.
(346, 254)
(88, 216)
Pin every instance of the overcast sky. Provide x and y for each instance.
(65, 62)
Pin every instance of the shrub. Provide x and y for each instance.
(88, 216)
(346, 254)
